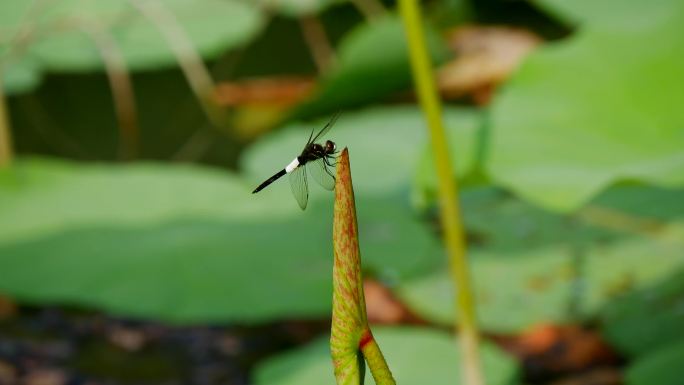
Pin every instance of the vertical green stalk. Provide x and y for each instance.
(454, 238)
(5, 136)
(351, 340)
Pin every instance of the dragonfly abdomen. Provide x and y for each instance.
(269, 181)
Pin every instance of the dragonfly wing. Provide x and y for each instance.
(322, 173)
(299, 186)
(327, 127)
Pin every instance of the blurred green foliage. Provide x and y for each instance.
(361, 75)
(560, 224)
(41, 196)
(658, 305)
(559, 269)
(209, 221)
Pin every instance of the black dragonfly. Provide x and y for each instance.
(319, 159)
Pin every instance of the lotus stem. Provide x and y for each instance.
(450, 216)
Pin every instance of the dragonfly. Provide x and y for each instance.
(318, 158)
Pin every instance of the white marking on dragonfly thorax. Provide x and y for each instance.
(290, 167)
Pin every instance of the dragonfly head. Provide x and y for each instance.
(330, 147)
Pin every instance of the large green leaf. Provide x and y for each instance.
(497, 222)
(39, 196)
(63, 41)
(663, 367)
(583, 12)
(526, 259)
(14, 12)
(643, 202)
(184, 243)
(518, 290)
(415, 356)
(601, 106)
(17, 73)
(182, 271)
(646, 320)
(18, 77)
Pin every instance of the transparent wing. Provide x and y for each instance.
(299, 186)
(322, 173)
(326, 128)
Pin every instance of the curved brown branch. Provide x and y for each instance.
(5, 135)
(317, 40)
(187, 56)
(121, 85)
(370, 9)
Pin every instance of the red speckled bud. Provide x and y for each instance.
(351, 338)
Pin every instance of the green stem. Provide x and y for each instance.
(450, 212)
(376, 361)
(5, 136)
